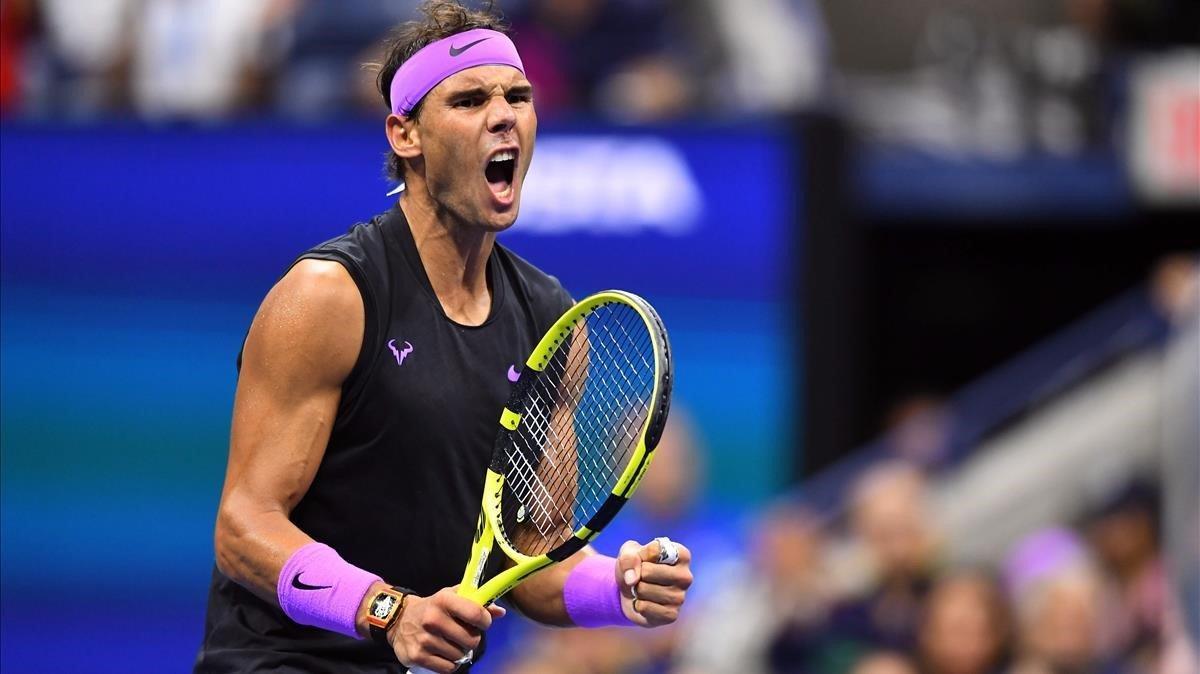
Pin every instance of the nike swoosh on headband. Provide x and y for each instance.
(455, 51)
(300, 585)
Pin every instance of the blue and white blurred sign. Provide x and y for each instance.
(610, 184)
(696, 211)
(699, 213)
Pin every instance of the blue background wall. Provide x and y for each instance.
(133, 259)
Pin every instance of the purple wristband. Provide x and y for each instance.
(591, 594)
(317, 587)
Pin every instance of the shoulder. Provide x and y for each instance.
(319, 284)
(543, 291)
(314, 316)
(356, 248)
(363, 252)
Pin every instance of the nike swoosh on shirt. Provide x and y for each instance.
(300, 585)
(455, 51)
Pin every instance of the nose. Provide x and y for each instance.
(501, 116)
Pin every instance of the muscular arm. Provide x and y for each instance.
(301, 346)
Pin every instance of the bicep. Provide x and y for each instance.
(300, 348)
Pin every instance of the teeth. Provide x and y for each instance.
(506, 155)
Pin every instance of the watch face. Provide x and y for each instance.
(383, 606)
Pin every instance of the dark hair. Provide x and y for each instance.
(441, 19)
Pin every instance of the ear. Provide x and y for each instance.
(404, 136)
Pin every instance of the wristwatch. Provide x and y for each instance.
(385, 608)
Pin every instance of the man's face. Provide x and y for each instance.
(477, 130)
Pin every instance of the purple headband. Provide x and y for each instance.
(439, 60)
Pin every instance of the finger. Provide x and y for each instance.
(497, 611)
(665, 595)
(657, 614)
(465, 610)
(634, 616)
(437, 648)
(433, 663)
(462, 636)
(661, 574)
(629, 562)
(652, 552)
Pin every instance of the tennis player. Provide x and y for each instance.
(370, 383)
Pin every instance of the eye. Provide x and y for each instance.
(520, 98)
(469, 102)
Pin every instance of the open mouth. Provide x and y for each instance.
(499, 172)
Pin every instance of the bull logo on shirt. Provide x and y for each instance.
(402, 353)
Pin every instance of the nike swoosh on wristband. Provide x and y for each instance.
(455, 51)
(299, 585)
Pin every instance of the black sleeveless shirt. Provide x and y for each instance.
(397, 492)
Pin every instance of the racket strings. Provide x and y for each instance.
(619, 400)
(549, 433)
(582, 423)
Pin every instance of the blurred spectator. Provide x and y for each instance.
(891, 520)
(599, 651)
(1059, 622)
(919, 427)
(16, 23)
(893, 533)
(1124, 536)
(884, 662)
(886, 574)
(205, 58)
(771, 55)
(535, 663)
(965, 629)
(619, 57)
(996, 80)
(1059, 604)
(1175, 285)
(781, 584)
(80, 68)
(322, 75)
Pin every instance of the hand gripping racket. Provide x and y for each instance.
(576, 436)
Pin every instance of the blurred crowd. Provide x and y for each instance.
(1086, 599)
(983, 77)
(878, 584)
(631, 60)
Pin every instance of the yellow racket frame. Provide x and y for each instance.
(643, 453)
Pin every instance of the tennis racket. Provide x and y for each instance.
(576, 436)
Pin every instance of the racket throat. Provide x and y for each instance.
(479, 567)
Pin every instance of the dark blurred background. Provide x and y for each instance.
(929, 269)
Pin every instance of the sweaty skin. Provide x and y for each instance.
(306, 338)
